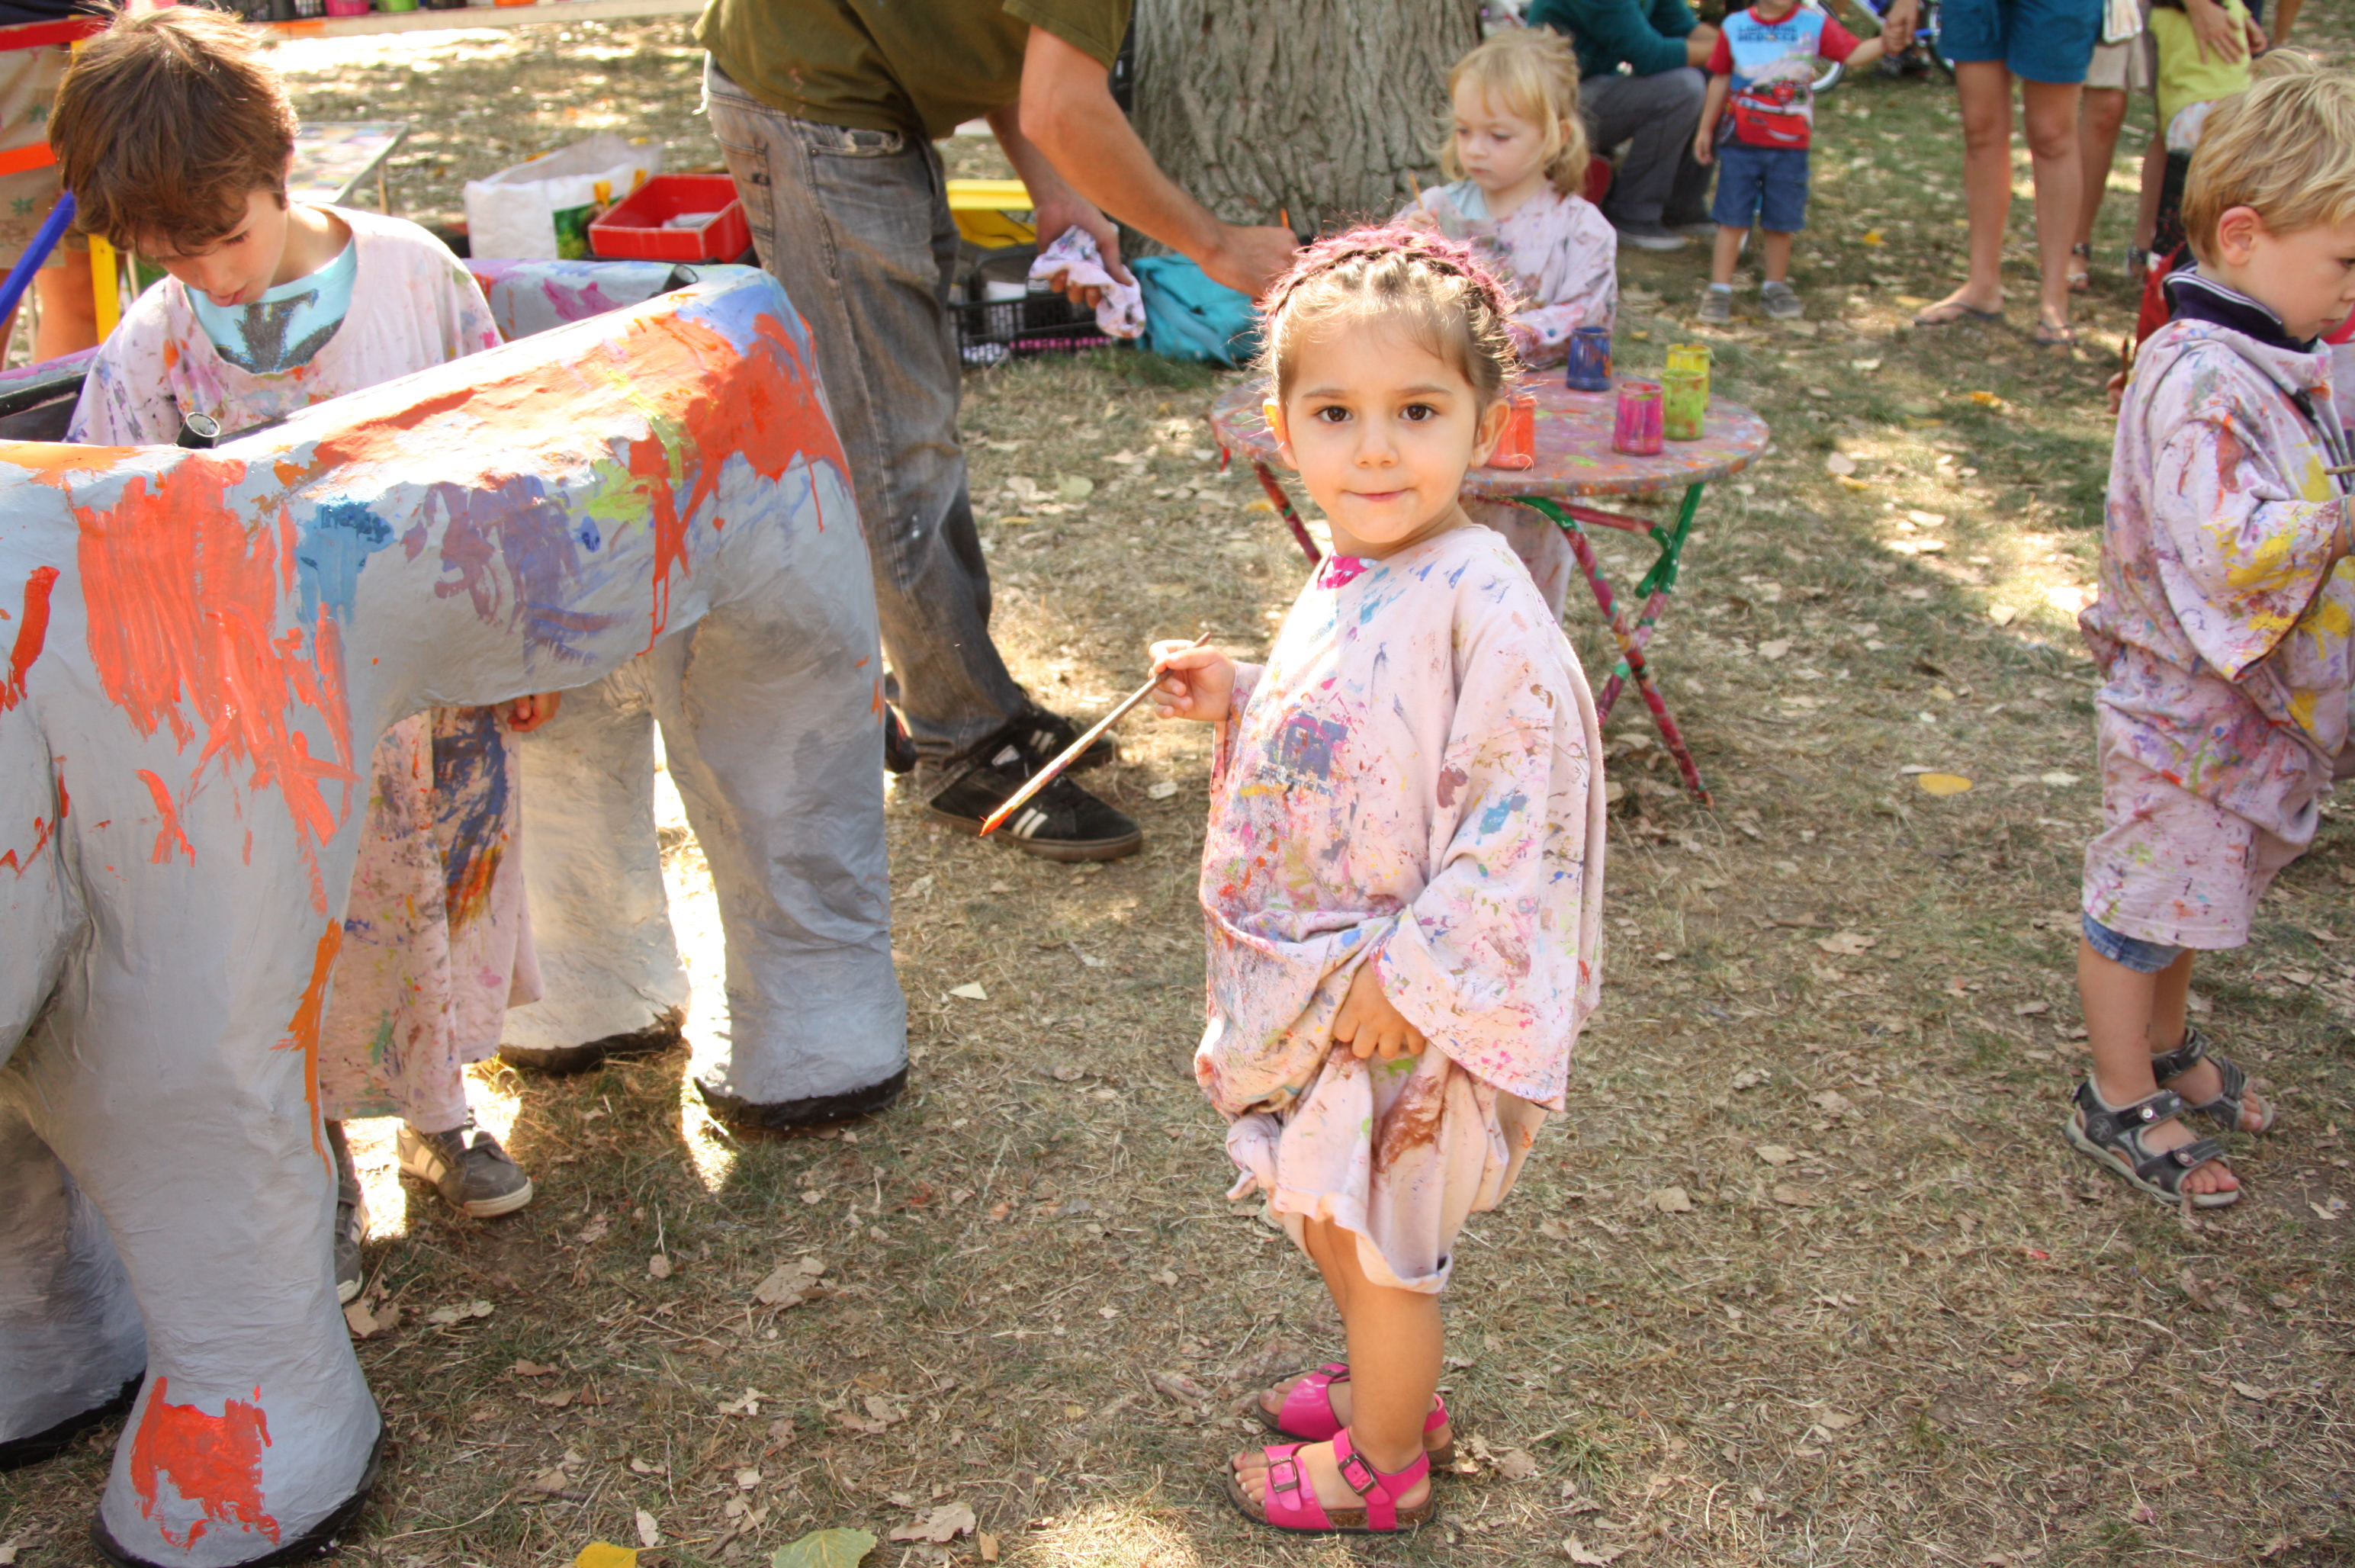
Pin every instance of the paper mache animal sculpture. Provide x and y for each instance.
(198, 651)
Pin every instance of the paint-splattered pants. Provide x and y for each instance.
(437, 936)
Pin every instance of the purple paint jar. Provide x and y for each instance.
(1636, 431)
(1589, 369)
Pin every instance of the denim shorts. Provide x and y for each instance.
(2036, 40)
(1768, 184)
(2142, 957)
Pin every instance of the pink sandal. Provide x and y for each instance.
(1292, 1503)
(1308, 1413)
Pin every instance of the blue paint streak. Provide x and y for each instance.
(337, 541)
(1496, 815)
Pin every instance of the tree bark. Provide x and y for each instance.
(1325, 110)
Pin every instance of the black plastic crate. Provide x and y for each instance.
(992, 331)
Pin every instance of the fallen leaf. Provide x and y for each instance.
(1987, 400)
(594, 1230)
(2030, 1010)
(606, 1554)
(882, 1410)
(1598, 1557)
(748, 1404)
(1942, 783)
(1774, 649)
(1795, 1197)
(1832, 1421)
(2056, 779)
(1069, 1074)
(1847, 943)
(358, 1319)
(1841, 463)
(1161, 791)
(1749, 1078)
(988, 1544)
(639, 1467)
(557, 1400)
(443, 1316)
(2322, 1213)
(2003, 614)
(1670, 1201)
(1832, 1103)
(970, 991)
(1867, 365)
(649, 1533)
(825, 1549)
(531, 1370)
(2250, 1391)
(658, 1266)
(1515, 1465)
(552, 1479)
(940, 1526)
(1774, 1153)
(1553, 1229)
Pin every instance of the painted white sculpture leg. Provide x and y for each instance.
(772, 729)
(611, 979)
(71, 1340)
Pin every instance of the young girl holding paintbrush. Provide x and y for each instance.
(1404, 872)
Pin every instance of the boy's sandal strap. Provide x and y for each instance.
(2232, 1080)
(2110, 1126)
(2118, 1132)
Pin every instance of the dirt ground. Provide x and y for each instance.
(1805, 1275)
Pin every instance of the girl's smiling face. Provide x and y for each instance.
(1502, 152)
(1381, 430)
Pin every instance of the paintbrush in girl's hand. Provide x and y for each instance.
(1053, 770)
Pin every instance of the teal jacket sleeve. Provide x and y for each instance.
(1648, 34)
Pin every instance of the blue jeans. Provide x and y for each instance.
(2142, 957)
(1769, 184)
(856, 225)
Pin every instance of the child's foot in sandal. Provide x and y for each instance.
(2146, 1143)
(1315, 1405)
(1317, 1488)
(2212, 1085)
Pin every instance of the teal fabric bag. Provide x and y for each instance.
(1188, 316)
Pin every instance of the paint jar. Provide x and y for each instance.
(396, 4)
(1518, 446)
(1636, 430)
(1689, 357)
(349, 7)
(1684, 403)
(1589, 369)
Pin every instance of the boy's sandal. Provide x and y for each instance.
(2080, 268)
(1307, 1413)
(1292, 1503)
(2113, 1136)
(2055, 334)
(2232, 1093)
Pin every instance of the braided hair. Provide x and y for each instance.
(1433, 285)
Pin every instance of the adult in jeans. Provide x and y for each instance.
(1660, 190)
(827, 111)
(2047, 44)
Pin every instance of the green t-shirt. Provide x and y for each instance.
(923, 66)
(2185, 75)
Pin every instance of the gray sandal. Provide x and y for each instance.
(2113, 1136)
(2232, 1093)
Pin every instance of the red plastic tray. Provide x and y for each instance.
(633, 229)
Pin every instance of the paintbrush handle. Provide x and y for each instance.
(1071, 753)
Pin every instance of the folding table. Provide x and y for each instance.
(1573, 459)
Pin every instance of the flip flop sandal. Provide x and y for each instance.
(2231, 1094)
(2081, 278)
(2055, 334)
(1308, 1413)
(1961, 312)
(2113, 1136)
(1292, 1504)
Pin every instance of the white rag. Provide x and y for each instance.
(1121, 311)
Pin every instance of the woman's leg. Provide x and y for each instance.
(2154, 182)
(2124, 1013)
(1984, 88)
(2099, 119)
(2049, 111)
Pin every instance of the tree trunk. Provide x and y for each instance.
(1324, 109)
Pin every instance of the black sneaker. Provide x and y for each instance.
(351, 1217)
(899, 746)
(467, 1167)
(1046, 735)
(1062, 821)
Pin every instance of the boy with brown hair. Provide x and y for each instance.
(176, 137)
(2222, 628)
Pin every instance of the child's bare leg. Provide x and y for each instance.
(1323, 1241)
(2154, 183)
(1729, 251)
(1395, 1345)
(1778, 256)
(2123, 1019)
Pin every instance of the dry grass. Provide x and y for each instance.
(1926, 1334)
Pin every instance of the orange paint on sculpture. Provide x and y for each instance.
(302, 1029)
(168, 836)
(182, 597)
(32, 631)
(214, 1461)
(50, 461)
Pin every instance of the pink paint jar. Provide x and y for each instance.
(1636, 431)
(349, 7)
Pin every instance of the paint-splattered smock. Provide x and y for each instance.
(1414, 781)
(2221, 633)
(436, 935)
(1561, 257)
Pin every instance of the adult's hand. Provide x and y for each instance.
(1897, 27)
(1700, 44)
(1063, 210)
(2256, 36)
(1249, 260)
(2213, 32)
